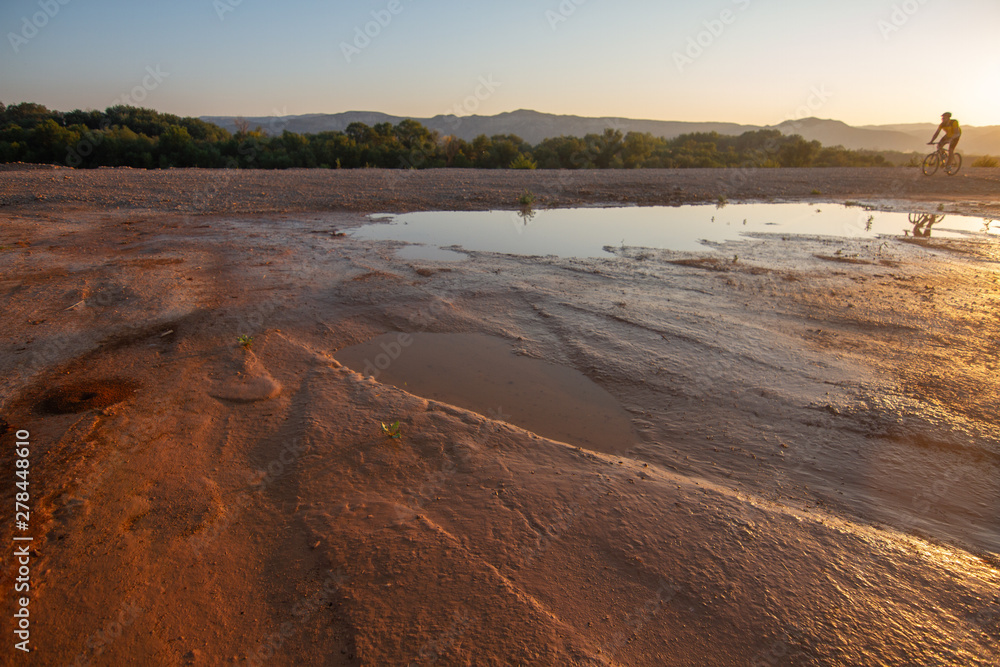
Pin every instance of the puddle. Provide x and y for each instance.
(584, 232)
(481, 373)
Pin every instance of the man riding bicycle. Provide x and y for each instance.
(952, 133)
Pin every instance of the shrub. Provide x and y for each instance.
(522, 161)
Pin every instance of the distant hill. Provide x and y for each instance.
(534, 126)
(836, 133)
(901, 137)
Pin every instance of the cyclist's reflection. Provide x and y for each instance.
(922, 223)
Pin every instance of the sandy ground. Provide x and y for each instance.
(817, 477)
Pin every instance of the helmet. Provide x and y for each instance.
(946, 114)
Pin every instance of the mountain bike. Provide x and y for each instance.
(940, 158)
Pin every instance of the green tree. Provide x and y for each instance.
(797, 152)
(604, 148)
(562, 153)
(503, 150)
(637, 149)
(27, 115)
(50, 141)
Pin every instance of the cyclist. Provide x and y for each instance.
(952, 133)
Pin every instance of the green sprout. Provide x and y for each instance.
(392, 430)
(245, 340)
(526, 199)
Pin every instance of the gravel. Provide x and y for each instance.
(371, 190)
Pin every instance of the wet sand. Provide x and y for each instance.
(815, 479)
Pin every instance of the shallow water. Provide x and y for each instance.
(584, 232)
(481, 373)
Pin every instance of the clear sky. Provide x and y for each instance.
(746, 61)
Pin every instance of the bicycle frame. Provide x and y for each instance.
(939, 158)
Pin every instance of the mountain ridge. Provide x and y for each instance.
(535, 126)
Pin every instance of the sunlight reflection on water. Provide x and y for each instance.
(584, 232)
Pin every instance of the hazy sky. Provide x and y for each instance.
(746, 61)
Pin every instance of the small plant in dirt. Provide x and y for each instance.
(987, 161)
(527, 199)
(392, 430)
(245, 340)
(814, 192)
(721, 201)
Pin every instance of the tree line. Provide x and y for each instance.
(125, 136)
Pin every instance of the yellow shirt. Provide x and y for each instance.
(951, 129)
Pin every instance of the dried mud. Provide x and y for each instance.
(815, 479)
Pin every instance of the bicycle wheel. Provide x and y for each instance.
(954, 164)
(930, 164)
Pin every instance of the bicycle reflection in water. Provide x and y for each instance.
(922, 223)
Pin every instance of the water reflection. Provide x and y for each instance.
(922, 223)
(587, 232)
